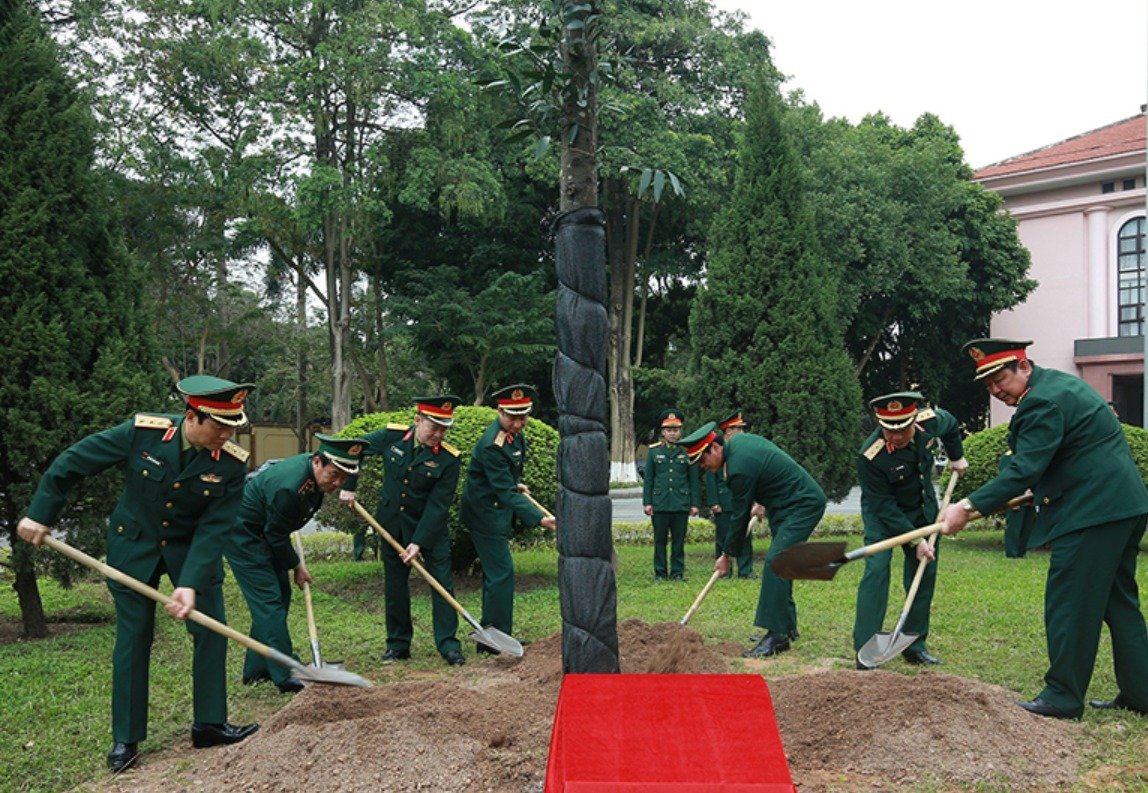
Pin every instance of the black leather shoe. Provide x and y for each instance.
(862, 668)
(454, 658)
(479, 647)
(1041, 708)
(291, 685)
(256, 678)
(1114, 704)
(121, 756)
(794, 635)
(205, 735)
(769, 645)
(920, 658)
(395, 655)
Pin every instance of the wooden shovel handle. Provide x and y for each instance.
(534, 501)
(924, 531)
(430, 579)
(909, 597)
(312, 632)
(195, 616)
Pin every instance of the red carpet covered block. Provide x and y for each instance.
(685, 733)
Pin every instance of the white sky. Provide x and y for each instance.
(1009, 76)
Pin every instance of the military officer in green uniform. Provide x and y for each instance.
(493, 496)
(277, 501)
(758, 472)
(721, 502)
(895, 469)
(671, 493)
(1091, 508)
(183, 481)
(420, 474)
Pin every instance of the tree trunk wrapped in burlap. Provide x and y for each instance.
(585, 544)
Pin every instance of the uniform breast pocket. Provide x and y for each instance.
(898, 473)
(148, 474)
(424, 477)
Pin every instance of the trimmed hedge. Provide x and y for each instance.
(469, 424)
(984, 449)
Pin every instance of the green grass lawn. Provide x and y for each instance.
(986, 625)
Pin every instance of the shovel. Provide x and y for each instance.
(334, 676)
(820, 561)
(713, 579)
(491, 637)
(883, 646)
(316, 658)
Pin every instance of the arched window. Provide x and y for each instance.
(1130, 257)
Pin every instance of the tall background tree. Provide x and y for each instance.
(78, 355)
(926, 256)
(767, 330)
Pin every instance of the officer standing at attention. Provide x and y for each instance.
(420, 474)
(758, 472)
(895, 469)
(1091, 508)
(277, 501)
(721, 502)
(183, 481)
(670, 495)
(493, 496)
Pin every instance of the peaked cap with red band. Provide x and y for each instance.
(699, 440)
(671, 418)
(343, 453)
(896, 411)
(517, 400)
(732, 421)
(991, 355)
(439, 409)
(220, 399)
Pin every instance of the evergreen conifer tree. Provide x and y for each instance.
(77, 355)
(767, 335)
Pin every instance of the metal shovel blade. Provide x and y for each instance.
(816, 561)
(328, 674)
(883, 646)
(497, 640)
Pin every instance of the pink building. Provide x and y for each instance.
(1080, 208)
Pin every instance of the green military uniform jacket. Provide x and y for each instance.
(717, 492)
(756, 470)
(175, 510)
(418, 485)
(181, 515)
(490, 496)
(897, 493)
(670, 483)
(1070, 449)
(277, 502)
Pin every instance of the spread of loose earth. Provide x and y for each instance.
(486, 727)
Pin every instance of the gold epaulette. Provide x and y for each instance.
(500, 438)
(875, 449)
(153, 422)
(453, 450)
(236, 451)
(655, 444)
(926, 414)
(399, 427)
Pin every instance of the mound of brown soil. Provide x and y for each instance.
(486, 727)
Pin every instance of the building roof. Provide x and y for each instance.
(1122, 137)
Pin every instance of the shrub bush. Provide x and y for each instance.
(469, 424)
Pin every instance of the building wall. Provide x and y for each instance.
(1070, 227)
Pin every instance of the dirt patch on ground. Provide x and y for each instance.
(486, 727)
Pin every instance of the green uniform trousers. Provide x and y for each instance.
(670, 526)
(873, 593)
(1092, 580)
(135, 630)
(776, 611)
(721, 531)
(397, 590)
(268, 595)
(1018, 527)
(497, 578)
